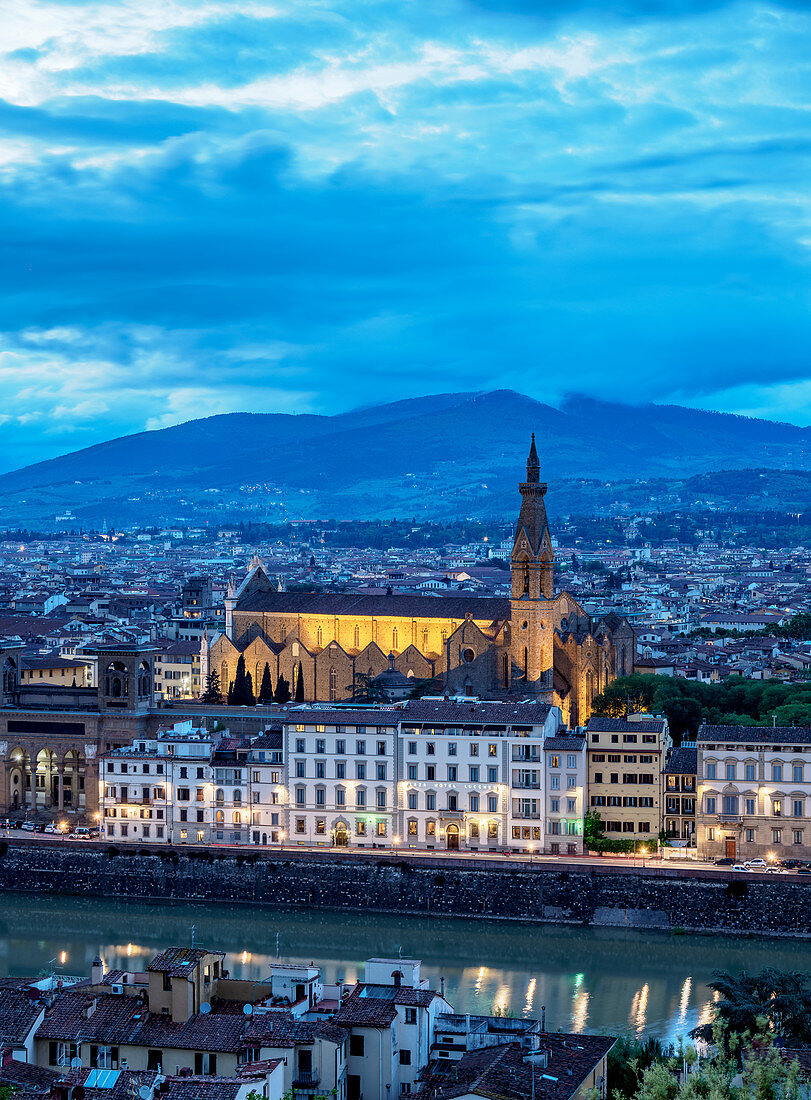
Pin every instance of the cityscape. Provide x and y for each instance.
(405, 550)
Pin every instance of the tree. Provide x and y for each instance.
(364, 689)
(213, 693)
(780, 998)
(266, 690)
(282, 692)
(625, 695)
(241, 692)
(300, 685)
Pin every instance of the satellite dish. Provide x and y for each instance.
(145, 1092)
(247, 1010)
(75, 1063)
(205, 1008)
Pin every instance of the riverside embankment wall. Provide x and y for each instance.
(571, 893)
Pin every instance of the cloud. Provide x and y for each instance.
(209, 206)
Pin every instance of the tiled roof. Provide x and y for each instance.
(18, 1014)
(500, 1073)
(762, 735)
(488, 608)
(202, 1088)
(682, 762)
(328, 716)
(476, 713)
(622, 725)
(562, 743)
(179, 961)
(366, 1011)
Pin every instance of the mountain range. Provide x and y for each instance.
(460, 453)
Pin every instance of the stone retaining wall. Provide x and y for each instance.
(660, 898)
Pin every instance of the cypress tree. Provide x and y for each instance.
(213, 692)
(300, 685)
(266, 690)
(241, 694)
(282, 692)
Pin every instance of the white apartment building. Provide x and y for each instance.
(753, 795)
(159, 789)
(472, 775)
(341, 776)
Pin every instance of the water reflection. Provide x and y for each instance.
(609, 980)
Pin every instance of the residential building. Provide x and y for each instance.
(625, 761)
(679, 780)
(754, 791)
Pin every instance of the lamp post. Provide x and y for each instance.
(281, 840)
(531, 850)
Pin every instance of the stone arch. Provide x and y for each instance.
(144, 681)
(116, 680)
(46, 779)
(73, 780)
(9, 675)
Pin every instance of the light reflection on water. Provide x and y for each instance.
(609, 980)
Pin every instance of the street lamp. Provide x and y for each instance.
(531, 850)
(281, 839)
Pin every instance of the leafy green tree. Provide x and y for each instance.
(780, 998)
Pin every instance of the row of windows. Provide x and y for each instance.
(730, 806)
(778, 771)
(340, 797)
(616, 758)
(627, 739)
(631, 800)
(749, 835)
(300, 768)
(340, 747)
(627, 777)
(474, 773)
(626, 827)
(453, 801)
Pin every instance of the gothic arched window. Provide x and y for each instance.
(394, 637)
(357, 637)
(333, 684)
(319, 636)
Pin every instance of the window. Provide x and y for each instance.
(360, 828)
(492, 830)
(750, 807)
(598, 777)
(340, 747)
(411, 1015)
(412, 826)
(320, 771)
(797, 807)
(492, 750)
(710, 773)
(474, 750)
(554, 761)
(777, 773)
(571, 782)
(340, 769)
(360, 770)
(430, 771)
(730, 771)
(797, 836)
(360, 748)
(381, 771)
(300, 793)
(340, 796)
(474, 773)
(571, 761)
(320, 746)
(405, 1057)
(777, 836)
(381, 800)
(412, 748)
(412, 800)
(777, 807)
(492, 803)
(710, 804)
(554, 783)
(320, 796)
(430, 828)
(492, 775)
(300, 744)
(749, 772)
(430, 801)
(554, 805)
(430, 748)
(730, 803)
(301, 769)
(412, 771)
(797, 773)
(452, 749)
(749, 836)
(355, 1046)
(452, 773)
(301, 826)
(474, 803)
(360, 796)
(381, 748)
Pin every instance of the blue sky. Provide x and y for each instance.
(213, 206)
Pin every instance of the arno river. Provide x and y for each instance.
(589, 979)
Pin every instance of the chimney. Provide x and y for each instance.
(543, 1017)
(8, 1056)
(97, 970)
(398, 978)
(442, 987)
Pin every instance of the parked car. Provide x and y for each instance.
(757, 865)
(740, 867)
(29, 826)
(776, 869)
(41, 828)
(80, 833)
(792, 864)
(52, 827)
(724, 862)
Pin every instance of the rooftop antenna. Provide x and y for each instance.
(193, 930)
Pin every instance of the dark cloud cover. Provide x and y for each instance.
(231, 206)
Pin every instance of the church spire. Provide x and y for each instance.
(533, 465)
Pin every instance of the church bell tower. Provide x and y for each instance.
(531, 566)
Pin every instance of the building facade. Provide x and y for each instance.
(534, 644)
(625, 761)
(754, 786)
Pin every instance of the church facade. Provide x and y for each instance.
(535, 644)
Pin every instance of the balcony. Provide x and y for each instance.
(527, 786)
(526, 816)
(521, 756)
(306, 1078)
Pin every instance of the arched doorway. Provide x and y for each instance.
(452, 837)
(341, 835)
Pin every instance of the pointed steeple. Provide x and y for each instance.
(533, 465)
